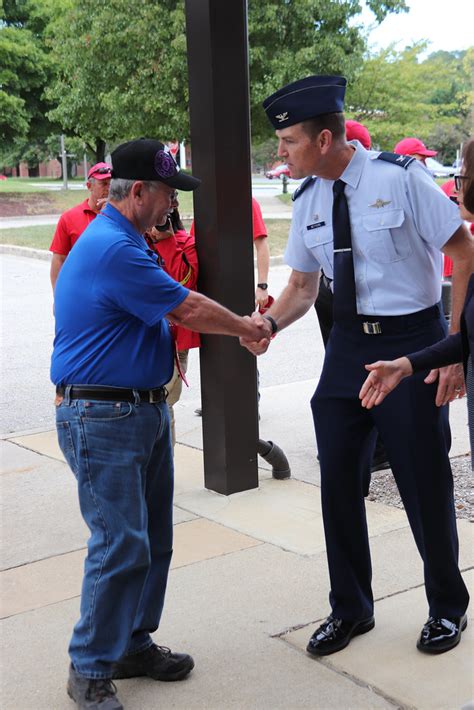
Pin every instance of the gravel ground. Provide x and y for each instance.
(383, 488)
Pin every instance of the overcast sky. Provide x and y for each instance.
(447, 25)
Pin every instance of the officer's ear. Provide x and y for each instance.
(325, 140)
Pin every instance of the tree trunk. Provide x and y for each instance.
(100, 150)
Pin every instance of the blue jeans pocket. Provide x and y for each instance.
(105, 411)
(66, 444)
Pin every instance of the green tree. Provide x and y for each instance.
(396, 95)
(25, 70)
(123, 72)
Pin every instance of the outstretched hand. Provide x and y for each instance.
(384, 376)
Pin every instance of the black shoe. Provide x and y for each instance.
(334, 635)
(440, 635)
(156, 662)
(92, 694)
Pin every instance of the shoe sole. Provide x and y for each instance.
(435, 651)
(362, 628)
(169, 677)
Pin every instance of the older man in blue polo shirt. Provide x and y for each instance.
(376, 224)
(112, 355)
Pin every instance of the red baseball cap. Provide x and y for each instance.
(100, 171)
(410, 146)
(356, 131)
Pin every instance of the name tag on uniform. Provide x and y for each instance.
(315, 225)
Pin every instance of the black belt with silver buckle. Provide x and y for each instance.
(113, 394)
(390, 325)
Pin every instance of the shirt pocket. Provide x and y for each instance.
(385, 240)
(319, 241)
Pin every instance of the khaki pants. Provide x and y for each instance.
(175, 387)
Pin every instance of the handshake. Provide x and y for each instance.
(260, 331)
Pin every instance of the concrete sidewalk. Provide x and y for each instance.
(247, 588)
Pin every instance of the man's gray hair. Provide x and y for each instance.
(120, 188)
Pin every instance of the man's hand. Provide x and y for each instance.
(451, 383)
(259, 343)
(261, 297)
(384, 376)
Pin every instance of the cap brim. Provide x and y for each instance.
(183, 181)
(100, 176)
(429, 153)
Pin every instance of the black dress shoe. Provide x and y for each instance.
(92, 694)
(440, 635)
(334, 635)
(156, 662)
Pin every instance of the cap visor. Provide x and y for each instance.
(182, 181)
(429, 153)
(100, 176)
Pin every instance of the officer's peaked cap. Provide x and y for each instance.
(306, 98)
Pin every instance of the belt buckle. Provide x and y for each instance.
(372, 328)
(155, 396)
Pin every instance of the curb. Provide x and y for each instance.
(25, 251)
(46, 255)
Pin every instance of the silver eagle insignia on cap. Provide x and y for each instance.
(282, 116)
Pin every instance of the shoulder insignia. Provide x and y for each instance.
(402, 160)
(306, 183)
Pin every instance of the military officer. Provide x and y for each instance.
(362, 217)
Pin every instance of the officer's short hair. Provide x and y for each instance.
(334, 122)
(468, 171)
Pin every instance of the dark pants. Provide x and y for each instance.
(324, 311)
(417, 437)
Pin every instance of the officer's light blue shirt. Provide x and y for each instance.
(400, 219)
(111, 299)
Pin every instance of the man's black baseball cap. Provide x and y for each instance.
(149, 159)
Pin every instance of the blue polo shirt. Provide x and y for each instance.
(111, 299)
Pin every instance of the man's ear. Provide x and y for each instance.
(325, 140)
(137, 189)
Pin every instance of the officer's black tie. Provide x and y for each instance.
(345, 306)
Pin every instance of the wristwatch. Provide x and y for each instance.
(273, 323)
(262, 286)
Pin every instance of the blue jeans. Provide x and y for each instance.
(121, 455)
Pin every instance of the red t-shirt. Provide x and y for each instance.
(70, 227)
(179, 257)
(258, 225)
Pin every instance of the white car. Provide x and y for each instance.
(437, 169)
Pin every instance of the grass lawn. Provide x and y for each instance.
(35, 237)
(19, 197)
(40, 237)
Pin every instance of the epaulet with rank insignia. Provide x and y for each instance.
(299, 190)
(402, 160)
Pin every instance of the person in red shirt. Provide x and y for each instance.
(177, 251)
(73, 222)
(262, 252)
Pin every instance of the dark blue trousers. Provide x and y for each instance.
(417, 438)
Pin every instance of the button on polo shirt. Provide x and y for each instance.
(71, 225)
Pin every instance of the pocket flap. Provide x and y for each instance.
(386, 219)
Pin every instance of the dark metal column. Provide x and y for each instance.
(220, 144)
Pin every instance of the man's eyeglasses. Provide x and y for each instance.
(458, 181)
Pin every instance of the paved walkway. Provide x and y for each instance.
(247, 588)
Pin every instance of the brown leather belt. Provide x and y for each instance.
(113, 394)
